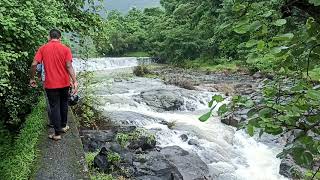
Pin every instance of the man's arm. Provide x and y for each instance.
(73, 76)
(33, 69)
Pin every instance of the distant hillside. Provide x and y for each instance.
(125, 5)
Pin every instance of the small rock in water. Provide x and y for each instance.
(184, 137)
(193, 142)
(257, 75)
(117, 80)
(231, 120)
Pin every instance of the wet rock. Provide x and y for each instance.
(193, 142)
(189, 165)
(257, 75)
(155, 167)
(93, 140)
(289, 168)
(115, 147)
(143, 142)
(184, 137)
(162, 99)
(100, 161)
(232, 120)
(131, 118)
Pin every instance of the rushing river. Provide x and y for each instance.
(229, 154)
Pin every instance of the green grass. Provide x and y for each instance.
(19, 160)
(136, 54)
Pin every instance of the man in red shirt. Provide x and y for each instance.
(57, 61)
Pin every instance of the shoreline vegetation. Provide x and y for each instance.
(18, 158)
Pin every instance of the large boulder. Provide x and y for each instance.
(131, 118)
(93, 140)
(162, 99)
(155, 166)
(189, 165)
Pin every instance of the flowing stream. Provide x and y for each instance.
(229, 154)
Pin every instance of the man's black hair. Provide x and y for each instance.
(55, 34)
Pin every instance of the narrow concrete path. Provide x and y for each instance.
(62, 160)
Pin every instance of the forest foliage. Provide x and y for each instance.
(275, 37)
(24, 26)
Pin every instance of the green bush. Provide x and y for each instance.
(23, 28)
(17, 164)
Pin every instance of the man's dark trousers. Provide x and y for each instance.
(58, 101)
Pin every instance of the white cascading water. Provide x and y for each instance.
(229, 154)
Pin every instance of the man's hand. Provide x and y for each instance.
(33, 83)
(74, 87)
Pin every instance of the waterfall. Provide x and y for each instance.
(108, 63)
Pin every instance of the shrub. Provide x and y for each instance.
(180, 82)
(141, 71)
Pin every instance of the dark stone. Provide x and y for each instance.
(188, 164)
(100, 161)
(184, 137)
(162, 99)
(115, 147)
(289, 169)
(193, 142)
(232, 120)
(156, 167)
(93, 139)
(257, 75)
(143, 142)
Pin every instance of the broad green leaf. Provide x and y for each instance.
(242, 29)
(205, 117)
(260, 45)
(280, 22)
(303, 157)
(277, 50)
(255, 26)
(313, 118)
(250, 129)
(217, 98)
(267, 14)
(266, 112)
(222, 109)
(313, 94)
(251, 43)
(283, 37)
(210, 103)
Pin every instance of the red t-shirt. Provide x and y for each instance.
(54, 56)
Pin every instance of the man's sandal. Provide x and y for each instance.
(65, 129)
(54, 137)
